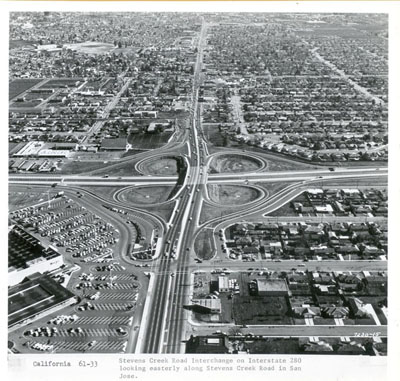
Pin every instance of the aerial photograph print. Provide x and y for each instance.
(198, 183)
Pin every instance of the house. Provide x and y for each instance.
(306, 312)
(335, 312)
(358, 308)
(310, 345)
(351, 348)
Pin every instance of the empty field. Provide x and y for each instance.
(231, 163)
(232, 194)
(18, 86)
(145, 195)
(76, 167)
(160, 166)
(203, 245)
(261, 310)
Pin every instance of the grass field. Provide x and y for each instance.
(203, 245)
(99, 168)
(234, 164)
(18, 86)
(232, 194)
(149, 141)
(160, 166)
(146, 195)
(209, 212)
(164, 210)
(75, 167)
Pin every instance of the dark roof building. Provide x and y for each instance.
(207, 344)
(37, 296)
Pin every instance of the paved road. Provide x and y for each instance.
(302, 330)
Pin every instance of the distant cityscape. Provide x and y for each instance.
(198, 183)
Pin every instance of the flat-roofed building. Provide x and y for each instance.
(272, 287)
(223, 284)
(205, 306)
(26, 255)
(34, 298)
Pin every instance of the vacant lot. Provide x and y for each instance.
(234, 164)
(261, 310)
(75, 167)
(18, 200)
(160, 166)
(18, 86)
(203, 245)
(149, 141)
(145, 195)
(232, 194)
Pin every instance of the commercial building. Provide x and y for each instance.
(207, 344)
(37, 296)
(26, 256)
(223, 284)
(205, 306)
(272, 287)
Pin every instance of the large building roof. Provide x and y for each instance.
(34, 296)
(272, 285)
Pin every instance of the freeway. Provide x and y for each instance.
(166, 330)
(284, 176)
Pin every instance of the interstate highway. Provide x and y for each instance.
(275, 176)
